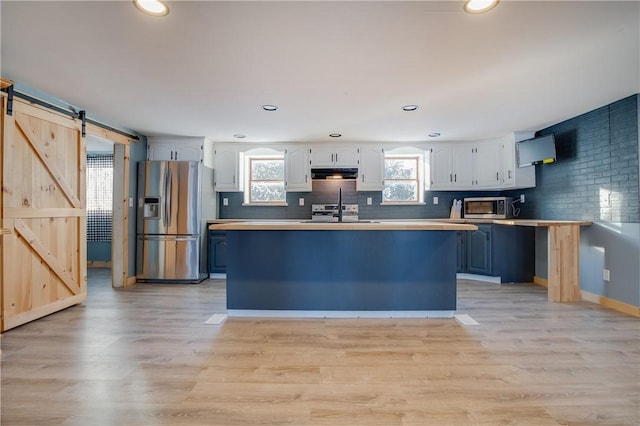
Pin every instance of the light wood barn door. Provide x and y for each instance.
(44, 264)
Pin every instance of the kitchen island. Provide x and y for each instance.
(362, 269)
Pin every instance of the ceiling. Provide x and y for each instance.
(330, 66)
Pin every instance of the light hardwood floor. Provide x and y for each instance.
(143, 356)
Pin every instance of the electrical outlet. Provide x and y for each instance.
(522, 198)
(225, 201)
(301, 201)
(606, 275)
(369, 201)
(435, 200)
(130, 202)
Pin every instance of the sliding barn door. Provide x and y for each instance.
(43, 210)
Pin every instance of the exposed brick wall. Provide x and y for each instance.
(597, 156)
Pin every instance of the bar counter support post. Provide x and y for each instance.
(564, 263)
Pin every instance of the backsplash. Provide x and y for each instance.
(326, 192)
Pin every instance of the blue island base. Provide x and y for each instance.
(341, 273)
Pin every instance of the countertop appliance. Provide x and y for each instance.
(329, 212)
(168, 222)
(488, 208)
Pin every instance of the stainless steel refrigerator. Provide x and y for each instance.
(169, 222)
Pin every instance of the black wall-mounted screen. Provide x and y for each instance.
(537, 150)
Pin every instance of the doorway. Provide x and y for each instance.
(107, 142)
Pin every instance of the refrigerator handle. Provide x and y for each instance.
(165, 211)
(169, 190)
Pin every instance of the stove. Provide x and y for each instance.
(329, 212)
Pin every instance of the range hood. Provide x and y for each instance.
(334, 173)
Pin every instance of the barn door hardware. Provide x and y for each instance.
(83, 117)
(10, 100)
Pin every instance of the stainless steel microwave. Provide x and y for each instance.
(488, 208)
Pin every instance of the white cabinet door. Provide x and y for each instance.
(226, 163)
(188, 152)
(515, 177)
(371, 170)
(334, 156)
(487, 165)
(440, 167)
(462, 161)
(296, 169)
(322, 156)
(508, 157)
(160, 151)
(346, 156)
(175, 149)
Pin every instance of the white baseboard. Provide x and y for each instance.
(337, 314)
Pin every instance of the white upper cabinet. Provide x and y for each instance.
(515, 177)
(371, 170)
(334, 156)
(487, 164)
(451, 166)
(462, 166)
(441, 167)
(296, 169)
(226, 175)
(175, 148)
(471, 166)
(483, 165)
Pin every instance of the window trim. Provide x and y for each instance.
(249, 180)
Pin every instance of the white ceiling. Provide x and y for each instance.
(329, 66)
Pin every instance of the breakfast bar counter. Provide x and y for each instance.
(359, 269)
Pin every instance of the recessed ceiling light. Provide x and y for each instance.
(410, 107)
(269, 107)
(239, 136)
(152, 7)
(335, 135)
(479, 6)
(434, 135)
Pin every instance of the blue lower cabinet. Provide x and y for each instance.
(503, 251)
(479, 250)
(217, 263)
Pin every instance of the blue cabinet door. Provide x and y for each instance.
(479, 247)
(217, 252)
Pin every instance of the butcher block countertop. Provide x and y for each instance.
(411, 223)
(424, 225)
(521, 222)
